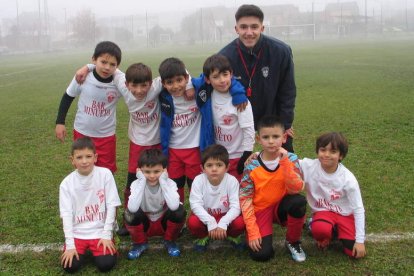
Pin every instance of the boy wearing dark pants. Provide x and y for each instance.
(269, 194)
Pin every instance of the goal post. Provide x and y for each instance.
(292, 31)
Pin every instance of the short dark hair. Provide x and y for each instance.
(269, 121)
(337, 141)
(151, 158)
(83, 143)
(249, 10)
(216, 62)
(217, 152)
(110, 48)
(138, 73)
(172, 67)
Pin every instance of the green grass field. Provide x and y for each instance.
(364, 89)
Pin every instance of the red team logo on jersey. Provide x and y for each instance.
(150, 104)
(225, 201)
(110, 96)
(334, 194)
(227, 120)
(101, 194)
(193, 109)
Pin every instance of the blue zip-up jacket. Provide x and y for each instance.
(203, 100)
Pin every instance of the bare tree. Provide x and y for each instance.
(85, 30)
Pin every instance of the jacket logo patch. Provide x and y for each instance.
(265, 71)
(203, 95)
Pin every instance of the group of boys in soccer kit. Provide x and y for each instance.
(203, 139)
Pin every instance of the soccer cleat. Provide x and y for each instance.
(296, 251)
(237, 242)
(137, 250)
(172, 248)
(200, 245)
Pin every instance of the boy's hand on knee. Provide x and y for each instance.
(67, 257)
(81, 74)
(255, 245)
(107, 244)
(359, 250)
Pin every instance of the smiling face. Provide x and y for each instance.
(152, 173)
(106, 65)
(139, 90)
(176, 85)
(84, 160)
(220, 81)
(249, 29)
(329, 158)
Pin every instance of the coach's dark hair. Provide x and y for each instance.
(172, 67)
(269, 121)
(151, 158)
(337, 141)
(249, 10)
(217, 152)
(110, 48)
(138, 73)
(83, 143)
(216, 62)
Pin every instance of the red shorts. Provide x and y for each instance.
(265, 219)
(345, 224)
(92, 245)
(184, 162)
(105, 148)
(233, 168)
(134, 152)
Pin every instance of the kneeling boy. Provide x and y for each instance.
(87, 201)
(214, 201)
(269, 193)
(154, 207)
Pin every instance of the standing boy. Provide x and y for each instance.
(154, 207)
(269, 193)
(180, 125)
(264, 66)
(233, 128)
(334, 196)
(96, 113)
(214, 201)
(87, 201)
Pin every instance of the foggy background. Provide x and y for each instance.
(52, 25)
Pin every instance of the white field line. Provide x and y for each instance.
(24, 71)
(371, 238)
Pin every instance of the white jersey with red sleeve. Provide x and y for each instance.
(207, 200)
(336, 192)
(96, 114)
(87, 205)
(233, 129)
(185, 130)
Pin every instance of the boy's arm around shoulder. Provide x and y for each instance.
(169, 191)
(246, 195)
(137, 193)
(293, 178)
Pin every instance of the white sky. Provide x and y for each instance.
(103, 8)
